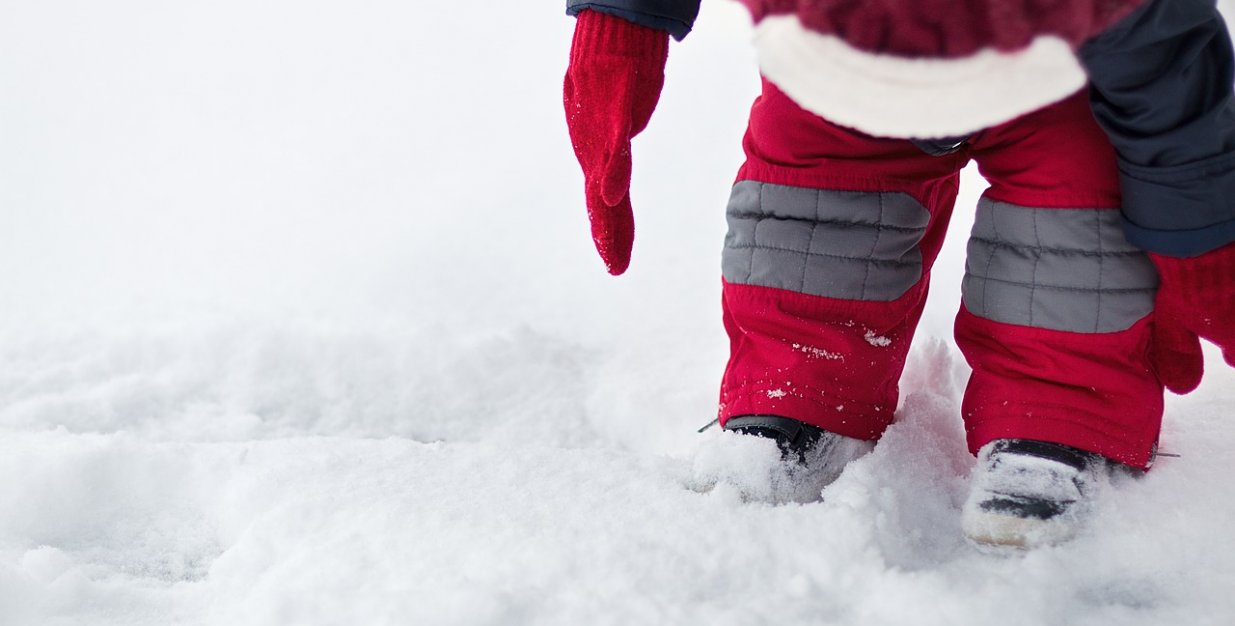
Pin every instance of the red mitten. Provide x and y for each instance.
(617, 69)
(1196, 300)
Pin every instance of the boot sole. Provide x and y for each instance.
(985, 529)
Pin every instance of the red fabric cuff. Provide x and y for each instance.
(597, 32)
(1212, 270)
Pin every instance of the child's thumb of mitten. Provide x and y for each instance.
(1176, 355)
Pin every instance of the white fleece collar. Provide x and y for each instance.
(891, 96)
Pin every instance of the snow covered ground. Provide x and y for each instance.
(300, 324)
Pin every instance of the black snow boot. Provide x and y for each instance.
(1025, 494)
(795, 439)
(811, 458)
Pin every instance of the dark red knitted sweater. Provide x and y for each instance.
(948, 28)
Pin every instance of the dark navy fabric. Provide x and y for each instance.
(675, 16)
(1161, 85)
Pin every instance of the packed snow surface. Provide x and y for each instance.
(300, 324)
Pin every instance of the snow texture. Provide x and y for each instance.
(300, 323)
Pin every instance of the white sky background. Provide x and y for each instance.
(239, 152)
(244, 243)
(361, 165)
(341, 156)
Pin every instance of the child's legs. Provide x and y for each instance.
(1055, 315)
(832, 235)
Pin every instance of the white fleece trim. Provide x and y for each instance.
(892, 96)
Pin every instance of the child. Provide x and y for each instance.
(1099, 255)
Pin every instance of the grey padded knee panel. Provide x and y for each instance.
(1058, 269)
(836, 244)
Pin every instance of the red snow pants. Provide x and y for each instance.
(827, 261)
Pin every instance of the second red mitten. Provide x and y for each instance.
(1196, 300)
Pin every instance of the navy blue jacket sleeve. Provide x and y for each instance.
(675, 16)
(1161, 86)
